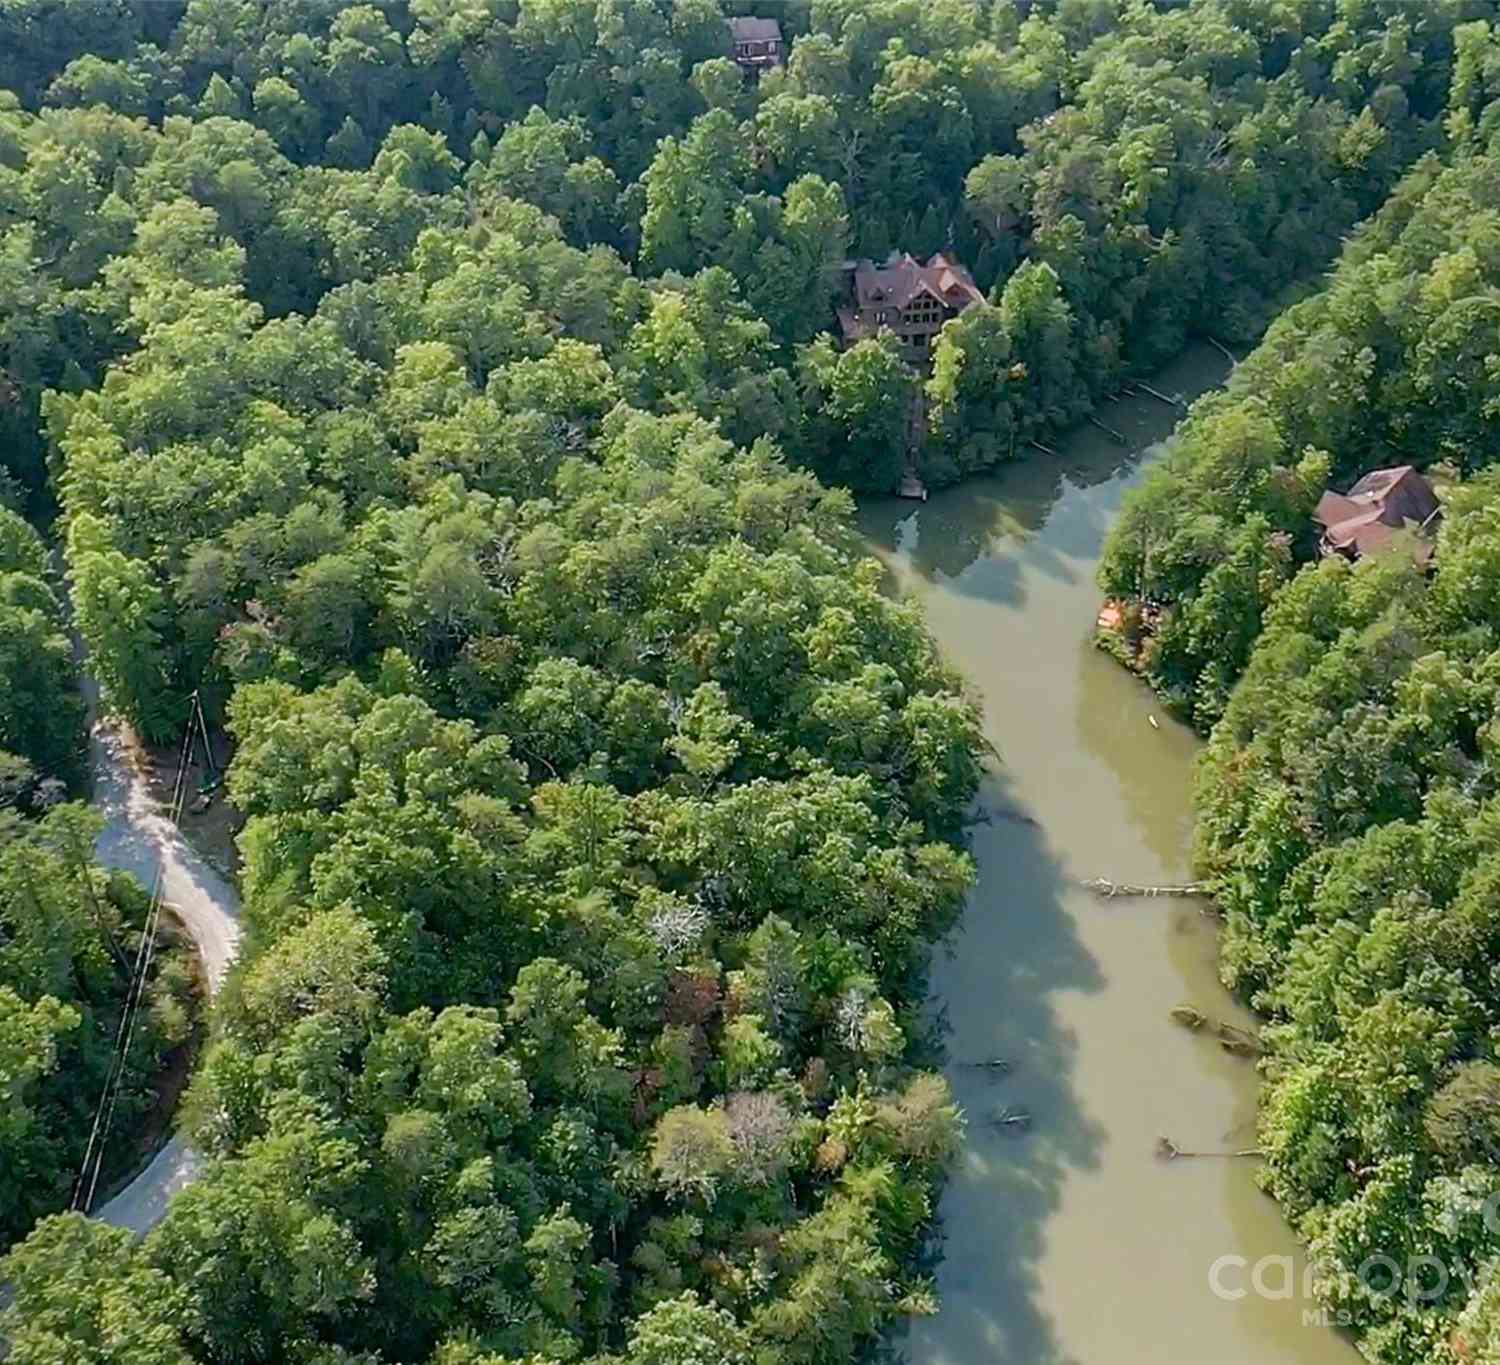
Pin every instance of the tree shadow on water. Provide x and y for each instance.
(964, 523)
(968, 521)
(998, 979)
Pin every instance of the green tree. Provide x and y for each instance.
(861, 403)
(1463, 1118)
(83, 1291)
(685, 1331)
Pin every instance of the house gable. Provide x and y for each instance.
(1382, 503)
(911, 298)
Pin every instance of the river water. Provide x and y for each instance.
(1071, 1243)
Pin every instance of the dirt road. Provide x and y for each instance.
(138, 838)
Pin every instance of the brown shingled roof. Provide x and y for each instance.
(1383, 502)
(895, 283)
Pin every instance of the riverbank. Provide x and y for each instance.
(1074, 1243)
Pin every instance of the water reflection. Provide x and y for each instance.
(958, 525)
(1114, 724)
(1008, 1184)
(980, 516)
(1071, 1244)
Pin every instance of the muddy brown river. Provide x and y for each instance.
(1071, 1243)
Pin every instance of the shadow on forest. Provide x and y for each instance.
(998, 979)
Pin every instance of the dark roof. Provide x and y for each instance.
(1380, 504)
(746, 28)
(902, 277)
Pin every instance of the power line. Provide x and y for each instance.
(208, 747)
(109, 1098)
(114, 1062)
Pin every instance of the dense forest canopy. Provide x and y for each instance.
(1347, 799)
(441, 392)
(1118, 173)
(67, 930)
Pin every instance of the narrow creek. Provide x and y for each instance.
(1072, 1244)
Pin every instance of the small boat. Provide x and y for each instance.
(912, 487)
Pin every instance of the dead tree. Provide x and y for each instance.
(1168, 1150)
(1102, 886)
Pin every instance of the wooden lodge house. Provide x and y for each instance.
(1382, 504)
(909, 297)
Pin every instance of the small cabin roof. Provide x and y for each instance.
(748, 28)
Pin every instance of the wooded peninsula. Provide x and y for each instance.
(446, 416)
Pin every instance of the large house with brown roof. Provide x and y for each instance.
(909, 297)
(1383, 503)
(755, 43)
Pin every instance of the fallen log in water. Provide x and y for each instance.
(1168, 1150)
(1239, 1041)
(1189, 1016)
(1046, 450)
(1116, 436)
(1223, 349)
(1232, 1038)
(990, 1064)
(1102, 886)
(1017, 1119)
(1158, 394)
